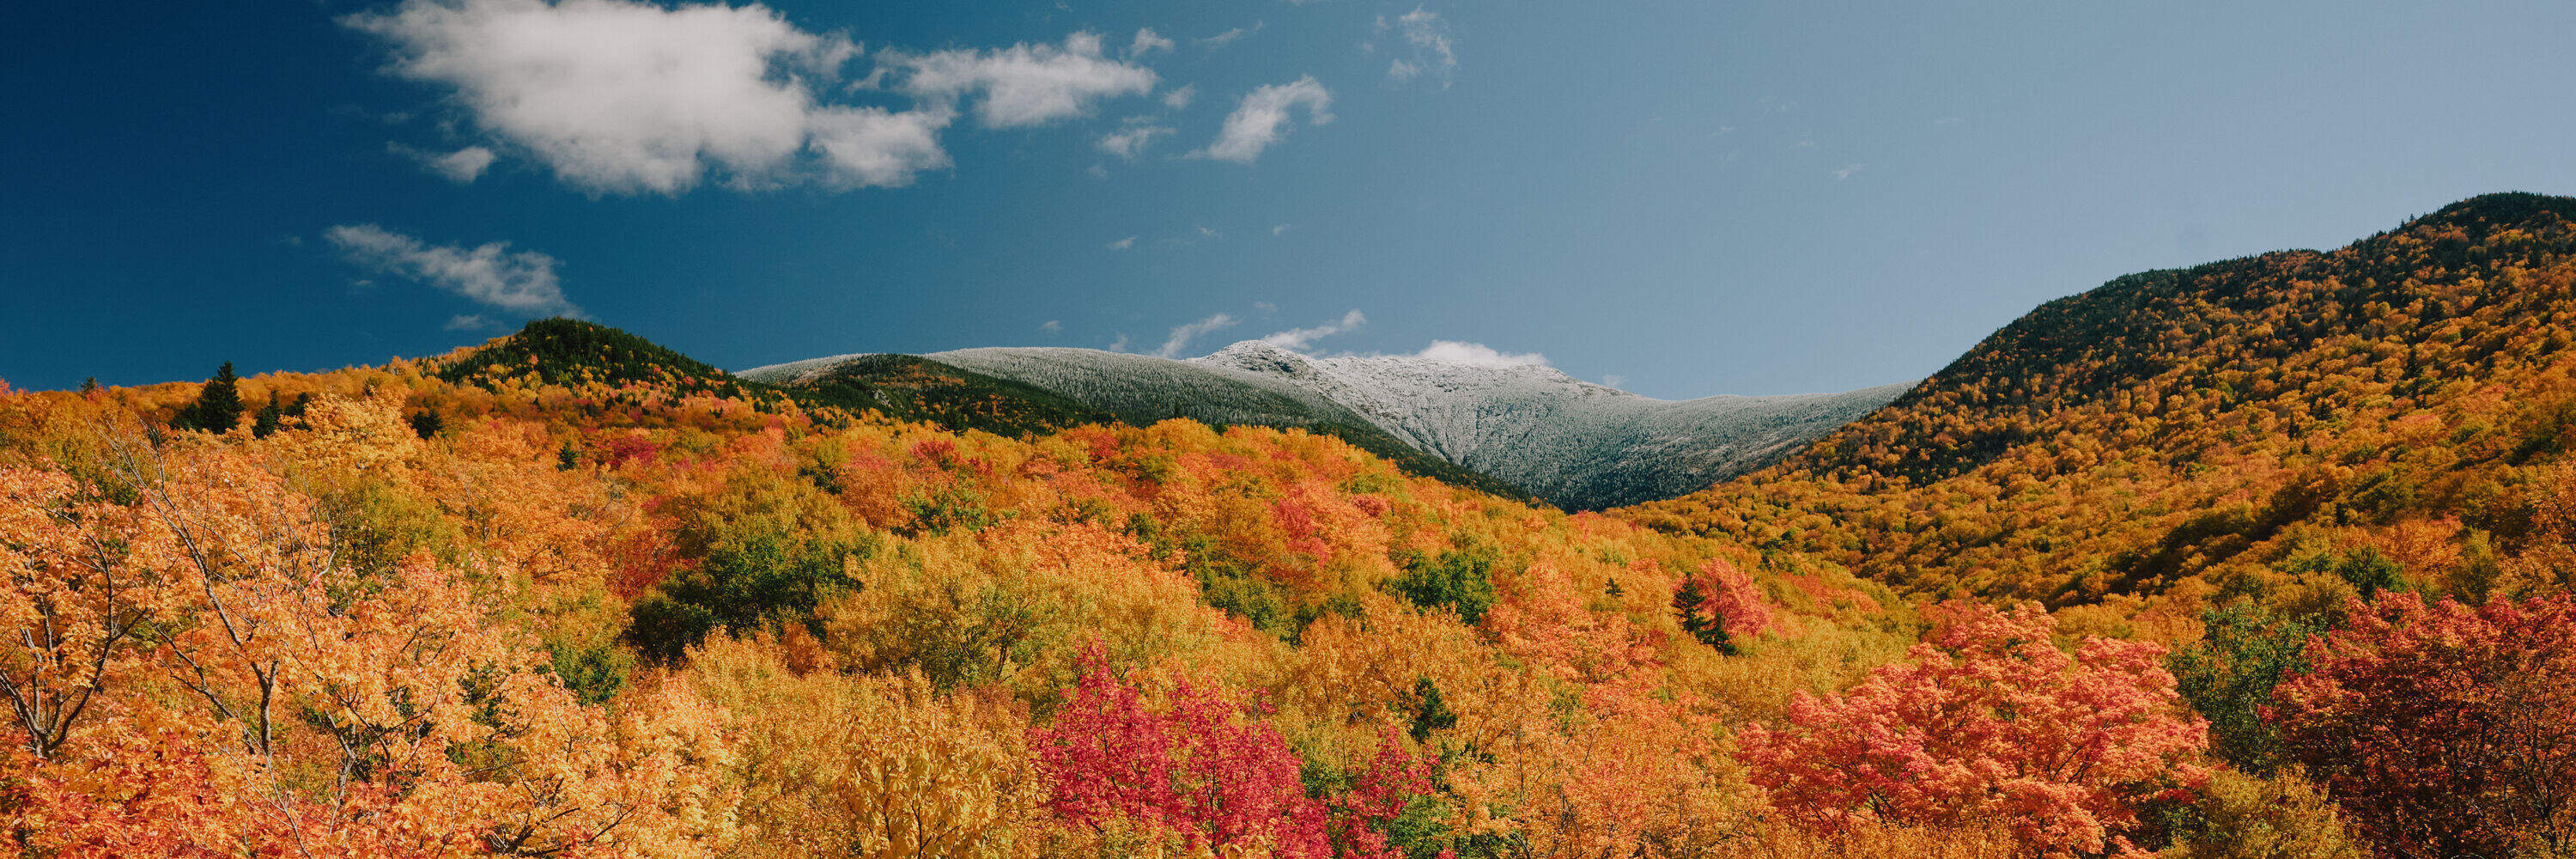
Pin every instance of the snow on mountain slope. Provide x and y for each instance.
(1575, 443)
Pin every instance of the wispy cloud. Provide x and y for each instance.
(1433, 50)
(461, 166)
(1847, 171)
(1052, 326)
(1131, 138)
(1263, 117)
(1123, 244)
(1231, 36)
(1147, 41)
(1478, 355)
(1188, 331)
(522, 282)
(1022, 85)
(1180, 98)
(1299, 338)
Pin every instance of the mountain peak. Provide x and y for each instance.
(1264, 357)
(2501, 209)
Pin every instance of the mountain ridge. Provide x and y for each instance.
(1578, 444)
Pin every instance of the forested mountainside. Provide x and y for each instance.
(2242, 425)
(1044, 389)
(569, 595)
(1579, 445)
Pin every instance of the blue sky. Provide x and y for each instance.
(1681, 198)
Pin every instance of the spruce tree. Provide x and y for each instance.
(218, 407)
(269, 419)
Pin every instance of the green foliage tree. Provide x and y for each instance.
(1460, 579)
(2229, 676)
(760, 551)
(218, 407)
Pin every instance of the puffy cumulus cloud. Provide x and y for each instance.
(1300, 338)
(1147, 41)
(1477, 355)
(1188, 331)
(622, 96)
(521, 282)
(631, 97)
(1433, 51)
(1022, 85)
(1263, 117)
(864, 146)
(1131, 138)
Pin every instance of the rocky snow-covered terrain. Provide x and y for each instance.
(1575, 443)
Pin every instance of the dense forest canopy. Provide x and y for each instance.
(2264, 558)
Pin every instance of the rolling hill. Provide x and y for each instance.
(2245, 426)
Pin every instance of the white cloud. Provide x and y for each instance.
(1022, 85)
(461, 166)
(1180, 98)
(1186, 332)
(1120, 344)
(1848, 171)
(1123, 244)
(1477, 355)
(1052, 326)
(1148, 41)
(520, 282)
(1263, 116)
(1432, 48)
(631, 96)
(622, 96)
(1210, 232)
(1131, 139)
(467, 322)
(864, 146)
(1614, 380)
(1280, 229)
(1231, 36)
(1299, 338)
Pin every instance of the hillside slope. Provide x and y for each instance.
(1583, 444)
(1574, 443)
(2410, 394)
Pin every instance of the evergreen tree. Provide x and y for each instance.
(218, 407)
(89, 385)
(427, 423)
(269, 419)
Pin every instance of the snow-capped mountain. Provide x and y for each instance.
(1575, 443)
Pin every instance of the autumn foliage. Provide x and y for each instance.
(2445, 729)
(1989, 720)
(610, 603)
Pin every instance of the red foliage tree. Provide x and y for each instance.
(1192, 767)
(1989, 721)
(2444, 730)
